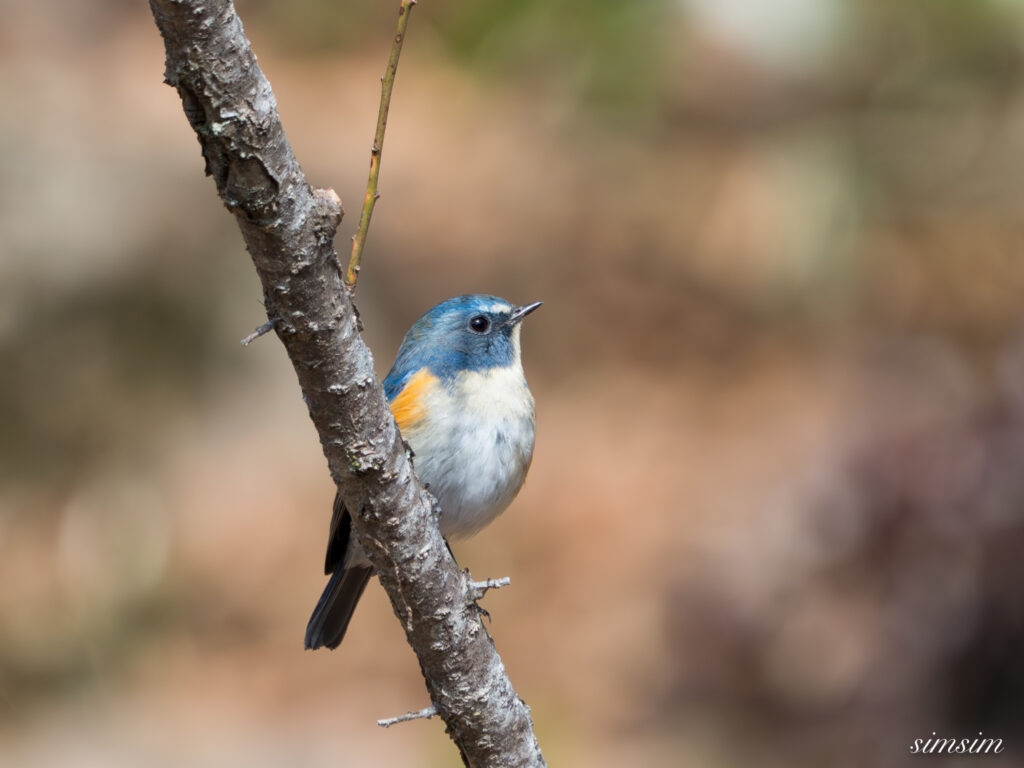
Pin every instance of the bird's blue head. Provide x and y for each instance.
(467, 333)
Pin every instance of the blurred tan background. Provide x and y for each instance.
(776, 512)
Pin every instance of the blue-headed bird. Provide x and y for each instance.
(459, 396)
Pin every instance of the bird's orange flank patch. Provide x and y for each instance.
(408, 405)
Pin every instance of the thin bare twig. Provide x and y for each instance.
(480, 587)
(263, 329)
(424, 714)
(387, 83)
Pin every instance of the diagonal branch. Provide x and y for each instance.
(289, 230)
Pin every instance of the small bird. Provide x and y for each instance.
(459, 396)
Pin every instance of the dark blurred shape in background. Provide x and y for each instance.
(776, 514)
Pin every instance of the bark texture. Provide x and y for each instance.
(289, 231)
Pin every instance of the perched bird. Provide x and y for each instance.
(459, 396)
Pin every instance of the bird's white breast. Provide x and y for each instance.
(474, 448)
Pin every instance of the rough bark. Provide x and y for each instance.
(289, 231)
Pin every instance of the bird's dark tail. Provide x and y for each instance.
(330, 618)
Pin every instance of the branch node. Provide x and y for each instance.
(424, 714)
(330, 205)
(262, 330)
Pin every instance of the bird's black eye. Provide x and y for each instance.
(480, 324)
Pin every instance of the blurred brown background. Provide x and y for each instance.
(776, 512)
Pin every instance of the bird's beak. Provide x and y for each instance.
(520, 312)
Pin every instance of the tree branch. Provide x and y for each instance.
(289, 230)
